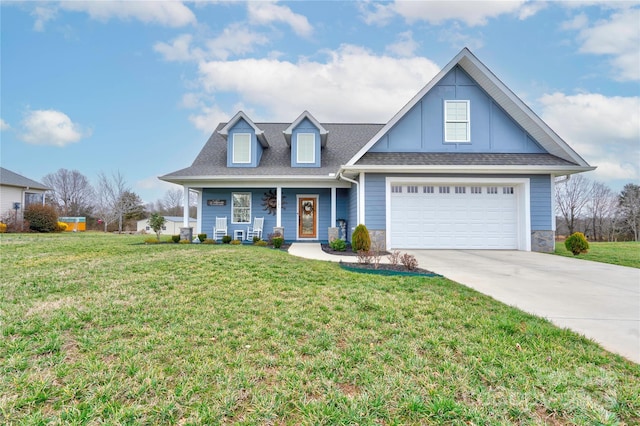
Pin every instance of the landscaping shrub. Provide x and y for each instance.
(365, 257)
(235, 242)
(277, 242)
(41, 218)
(360, 240)
(61, 227)
(185, 242)
(261, 243)
(209, 241)
(255, 239)
(151, 241)
(157, 221)
(202, 237)
(338, 245)
(409, 261)
(3, 228)
(175, 238)
(577, 243)
(394, 257)
(226, 239)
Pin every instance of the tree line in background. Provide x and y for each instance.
(110, 205)
(595, 210)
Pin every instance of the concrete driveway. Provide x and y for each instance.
(597, 300)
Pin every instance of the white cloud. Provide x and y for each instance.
(4, 125)
(43, 14)
(405, 46)
(236, 39)
(353, 85)
(604, 130)
(166, 13)
(208, 118)
(619, 37)
(472, 13)
(179, 49)
(265, 12)
(50, 127)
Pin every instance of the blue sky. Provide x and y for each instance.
(139, 86)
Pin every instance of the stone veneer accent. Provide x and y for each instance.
(378, 239)
(543, 241)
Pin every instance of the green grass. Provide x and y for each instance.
(624, 254)
(96, 329)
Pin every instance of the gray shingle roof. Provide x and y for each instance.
(344, 140)
(9, 178)
(459, 159)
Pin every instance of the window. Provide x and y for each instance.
(476, 190)
(306, 149)
(32, 198)
(241, 207)
(412, 189)
(456, 121)
(427, 189)
(492, 190)
(507, 190)
(443, 189)
(242, 148)
(461, 190)
(396, 189)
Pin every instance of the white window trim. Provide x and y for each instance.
(236, 160)
(250, 207)
(313, 151)
(467, 121)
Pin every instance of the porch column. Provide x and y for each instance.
(185, 207)
(199, 212)
(361, 194)
(333, 207)
(279, 207)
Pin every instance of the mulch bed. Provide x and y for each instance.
(382, 269)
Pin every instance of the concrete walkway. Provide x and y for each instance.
(597, 300)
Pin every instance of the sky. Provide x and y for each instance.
(137, 87)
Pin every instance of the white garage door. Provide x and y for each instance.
(454, 216)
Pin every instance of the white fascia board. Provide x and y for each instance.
(306, 114)
(259, 182)
(465, 169)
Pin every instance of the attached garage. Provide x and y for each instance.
(433, 214)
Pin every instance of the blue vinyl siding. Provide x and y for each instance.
(352, 218)
(375, 201)
(256, 148)
(421, 129)
(305, 126)
(541, 203)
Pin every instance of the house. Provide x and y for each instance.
(17, 193)
(464, 165)
(171, 225)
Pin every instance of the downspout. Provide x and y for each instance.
(357, 184)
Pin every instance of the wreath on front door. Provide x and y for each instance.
(307, 207)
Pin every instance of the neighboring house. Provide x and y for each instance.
(18, 191)
(464, 165)
(171, 225)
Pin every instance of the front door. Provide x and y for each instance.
(307, 210)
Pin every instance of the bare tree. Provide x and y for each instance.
(71, 192)
(173, 201)
(117, 197)
(629, 204)
(600, 207)
(571, 197)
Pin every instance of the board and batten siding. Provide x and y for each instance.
(375, 202)
(541, 203)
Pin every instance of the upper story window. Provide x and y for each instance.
(457, 125)
(306, 148)
(242, 148)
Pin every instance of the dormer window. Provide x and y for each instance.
(242, 148)
(457, 125)
(306, 148)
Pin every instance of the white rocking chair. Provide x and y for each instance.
(220, 228)
(256, 229)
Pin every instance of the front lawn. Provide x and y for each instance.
(99, 329)
(624, 254)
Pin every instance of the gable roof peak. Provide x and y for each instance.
(306, 114)
(240, 115)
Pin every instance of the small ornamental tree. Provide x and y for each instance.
(41, 218)
(360, 240)
(577, 243)
(156, 222)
